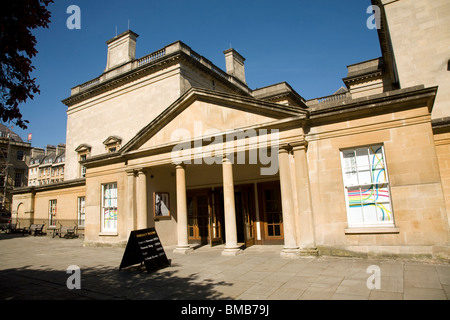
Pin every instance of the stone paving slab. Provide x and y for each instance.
(35, 268)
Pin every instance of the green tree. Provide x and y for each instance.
(17, 46)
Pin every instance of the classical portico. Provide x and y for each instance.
(296, 242)
(236, 187)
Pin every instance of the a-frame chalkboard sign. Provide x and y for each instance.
(145, 247)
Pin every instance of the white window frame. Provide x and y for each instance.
(109, 202)
(83, 157)
(377, 212)
(52, 212)
(81, 211)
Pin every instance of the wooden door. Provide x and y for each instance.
(248, 216)
(204, 217)
(216, 218)
(270, 199)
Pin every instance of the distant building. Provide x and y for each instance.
(47, 166)
(14, 157)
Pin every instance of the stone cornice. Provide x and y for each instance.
(364, 76)
(279, 91)
(441, 125)
(120, 80)
(49, 187)
(408, 98)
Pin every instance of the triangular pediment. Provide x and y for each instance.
(201, 112)
(83, 148)
(112, 140)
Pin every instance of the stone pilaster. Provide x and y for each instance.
(306, 239)
(287, 204)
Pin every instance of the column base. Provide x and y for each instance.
(183, 250)
(232, 251)
(290, 253)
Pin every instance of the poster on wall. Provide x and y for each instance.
(161, 204)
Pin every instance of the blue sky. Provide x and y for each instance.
(307, 43)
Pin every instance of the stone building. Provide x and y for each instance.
(46, 166)
(205, 159)
(14, 156)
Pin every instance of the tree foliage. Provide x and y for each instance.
(17, 46)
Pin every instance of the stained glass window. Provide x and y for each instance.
(366, 186)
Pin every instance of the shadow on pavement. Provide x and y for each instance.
(106, 283)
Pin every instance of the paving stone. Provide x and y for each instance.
(36, 268)
(424, 294)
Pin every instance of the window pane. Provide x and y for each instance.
(277, 230)
(379, 176)
(355, 208)
(81, 210)
(276, 218)
(362, 159)
(354, 196)
(350, 170)
(377, 165)
(355, 214)
(364, 177)
(110, 207)
(384, 212)
(370, 212)
(52, 213)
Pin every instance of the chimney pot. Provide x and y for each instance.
(235, 64)
(121, 49)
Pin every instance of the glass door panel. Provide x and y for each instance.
(271, 207)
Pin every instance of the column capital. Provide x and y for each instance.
(284, 148)
(226, 158)
(300, 145)
(142, 170)
(179, 166)
(131, 172)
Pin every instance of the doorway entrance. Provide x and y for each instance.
(271, 212)
(205, 217)
(245, 214)
(206, 224)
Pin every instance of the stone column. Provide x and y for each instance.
(306, 239)
(287, 204)
(182, 223)
(141, 198)
(231, 245)
(131, 201)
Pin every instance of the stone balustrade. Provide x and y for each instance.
(330, 98)
(175, 47)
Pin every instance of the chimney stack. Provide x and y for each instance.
(121, 49)
(235, 64)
